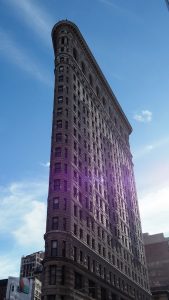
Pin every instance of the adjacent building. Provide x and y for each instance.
(31, 268)
(31, 265)
(3, 288)
(18, 289)
(93, 240)
(157, 255)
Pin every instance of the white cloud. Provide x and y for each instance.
(147, 149)
(16, 55)
(32, 226)
(154, 210)
(145, 116)
(45, 165)
(22, 222)
(35, 17)
(22, 212)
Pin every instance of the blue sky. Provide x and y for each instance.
(130, 41)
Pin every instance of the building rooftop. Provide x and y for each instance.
(154, 238)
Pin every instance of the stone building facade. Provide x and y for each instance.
(157, 256)
(93, 239)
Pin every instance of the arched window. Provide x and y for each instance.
(83, 67)
(90, 79)
(75, 54)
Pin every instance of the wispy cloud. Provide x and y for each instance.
(147, 149)
(145, 116)
(45, 165)
(16, 55)
(121, 10)
(34, 17)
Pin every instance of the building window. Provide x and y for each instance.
(63, 275)
(66, 138)
(88, 239)
(60, 99)
(100, 270)
(56, 203)
(66, 152)
(52, 275)
(75, 253)
(103, 294)
(64, 248)
(58, 137)
(80, 214)
(66, 124)
(99, 248)
(81, 256)
(78, 284)
(113, 296)
(60, 78)
(97, 91)
(88, 262)
(57, 167)
(74, 192)
(75, 210)
(81, 233)
(65, 186)
(94, 266)
(54, 248)
(57, 185)
(61, 69)
(51, 297)
(60, 88)
(104, 101)
(65, 168)
(75, 54)
(90, 79)
(58, 152)
(80, 197)
(59, 124)
(75, 229)
(92, 289)
(83, 67)
(59, 111)
(64, 224)
(65, 204)
(55, 223)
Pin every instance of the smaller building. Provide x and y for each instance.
(157, 255)
(31, 265)
(36, 290)
(3, 287)
(31, 268)
(19, 289)
(160, 293)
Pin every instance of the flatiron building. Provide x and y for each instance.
(93, 240)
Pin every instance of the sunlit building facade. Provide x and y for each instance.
(93, 239)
